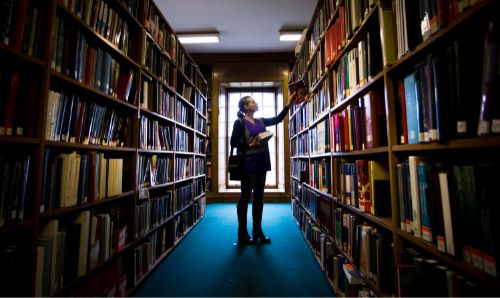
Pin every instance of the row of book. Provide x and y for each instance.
(319, 137)
(200, 103)
(199, 166)
(317, 205)
(416, 21)
(199, 144)
(363, 184)
(369, 249)
(183, 168)
(422, 275)
(316, 70)
(452, 206)
(201, 124)
(357, 66)
(184, 112)
(199, 187)
(360, 125)
(320, 174)
(68, 251)
(153, 212)
(101, 17)
(159, 30)
(156, 98)
(73, 119)
(371, 256)
(14, 189)
(72, 179)
(182, 141)
(155, 62)
(317, 106)
(76, 58)
(153, 170)
(300, 145)
(17, 112)
(437, 101)
(147, 253)
(21, 26)
(184, 195)
(154, 136)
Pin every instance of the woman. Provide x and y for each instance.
(257, 162)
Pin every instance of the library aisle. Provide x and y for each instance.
(209, 263)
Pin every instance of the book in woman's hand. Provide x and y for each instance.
(264, 136)
(298, 90)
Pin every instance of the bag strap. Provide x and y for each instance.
(242, 138)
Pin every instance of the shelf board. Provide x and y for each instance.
(9, 228)
(320, 155)
(370, 151)
(153, 76)
(472, 143)
(170, 183)
(19, 140)
(88, 88)
(65, 210)
(357, 93)
(385, 222)
(321, 117)
(156, 115)
(88, 147)
(150, 151)
(21, 55)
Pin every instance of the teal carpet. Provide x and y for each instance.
(209, 263)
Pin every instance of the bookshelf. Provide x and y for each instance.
(103, 154)
(407, 201)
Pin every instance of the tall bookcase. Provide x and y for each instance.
(393, 154)
(102, 133)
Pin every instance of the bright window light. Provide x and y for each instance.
(199, 38)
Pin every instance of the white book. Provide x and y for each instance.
(84, 220)
(415, 196)
(447, 218)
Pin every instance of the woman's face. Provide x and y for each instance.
(251, 105)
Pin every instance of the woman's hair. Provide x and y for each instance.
(241, 106)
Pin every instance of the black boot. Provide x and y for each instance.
(258, 235)
(243, 237)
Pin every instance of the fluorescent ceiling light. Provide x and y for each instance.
(186, 38)
(290, 35)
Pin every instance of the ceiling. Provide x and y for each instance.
(245, 26)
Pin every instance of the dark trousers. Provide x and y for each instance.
(255, 184)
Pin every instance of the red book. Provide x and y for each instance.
(18, 34)
(402, 105)
(298, 87)
(125, 80)
(11, 103)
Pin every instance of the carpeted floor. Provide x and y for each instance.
(209, 263)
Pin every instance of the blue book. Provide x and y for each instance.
(106, 72)
(98, 69)
(412, 115)
(425, 197)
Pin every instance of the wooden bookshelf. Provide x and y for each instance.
(468, 25)
(63, 55)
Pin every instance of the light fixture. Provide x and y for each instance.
(290, 35)
(188, 38)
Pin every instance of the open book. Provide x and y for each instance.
(264, 136)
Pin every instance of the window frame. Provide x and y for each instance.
(229, 128)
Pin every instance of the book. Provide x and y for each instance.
(298, 87)
(264, 136)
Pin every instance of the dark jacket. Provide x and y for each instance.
(241, 143)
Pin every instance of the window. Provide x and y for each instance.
(270, 103)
